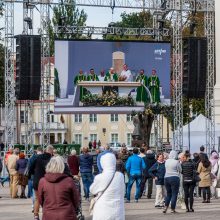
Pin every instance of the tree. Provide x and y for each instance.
(66, 15)
(143, 19)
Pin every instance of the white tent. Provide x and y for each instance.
(197, 129)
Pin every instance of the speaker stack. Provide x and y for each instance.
(28, 67)
(194, 67)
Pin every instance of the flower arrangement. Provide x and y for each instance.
(110, 98)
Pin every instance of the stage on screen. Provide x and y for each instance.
(124, 62)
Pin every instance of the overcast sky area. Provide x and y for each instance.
(98, 17)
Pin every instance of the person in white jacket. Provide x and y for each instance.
(110, 205)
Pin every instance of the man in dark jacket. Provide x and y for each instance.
(37, 169)
(149, 161)
(86, 165)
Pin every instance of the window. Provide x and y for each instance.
(114, 117)
(129, 117)
(78, 118)
(114, 138)
(22, 117)
(129, 139)
(23, 139)
(93, 137)
(50, 118)
(93, 118)
(78, 139)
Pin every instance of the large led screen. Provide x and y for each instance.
(74, 55)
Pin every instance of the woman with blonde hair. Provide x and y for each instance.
(57, 192)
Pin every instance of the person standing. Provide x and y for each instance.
(149, 161)
(214, 162)
(21, 166)
(142, 95)
(106, 150)
(157, 172)
(94, 144)
(79, 78)
(204, 170)
(37, 169)
(154, 86)
(102, 75)
(86, 164)
(109, 186)
(125, 74)
(134, 166)
(14, 176)
(92, 76)
(188, 171)
(111, 76)
(57, 192)
(73, 162)
(172, 181)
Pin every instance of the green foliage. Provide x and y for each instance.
(141, 19)
(198, 20)
(196, 106)
(2, 81)
(107, 99)
(72, 17)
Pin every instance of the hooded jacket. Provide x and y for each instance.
(58, 196)
(110, 206)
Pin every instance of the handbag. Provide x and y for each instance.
(196, 177)
(94, 200)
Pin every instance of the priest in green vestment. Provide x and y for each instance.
(92, 76)
(154, 86)
(79, 78)
(111, 76)
(142, 95)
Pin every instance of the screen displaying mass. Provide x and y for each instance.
(113, 61)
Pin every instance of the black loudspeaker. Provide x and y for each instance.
(28, 67)
(194, 67)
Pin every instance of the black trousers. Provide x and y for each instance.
(188, 188)
(150, 185)
(206, 193)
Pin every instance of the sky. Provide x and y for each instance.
(98, 17)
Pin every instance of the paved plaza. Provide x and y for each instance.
(16, 209)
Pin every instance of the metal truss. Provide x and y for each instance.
(45, 73)
(28, 10)
(28, 104)
(10, 113)
(110, 30)
(158, 131)
(28, 112)
(177, 77)
(185, 5)
(210, 81)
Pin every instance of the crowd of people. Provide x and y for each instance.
(152, 82)
(107, 178)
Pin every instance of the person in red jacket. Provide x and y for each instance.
(57, 192)
(73, 162)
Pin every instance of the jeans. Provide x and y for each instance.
(206, 193)
(172, 185)
(188, 188)
(132, 179)
(149, 187)
(87, 179)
